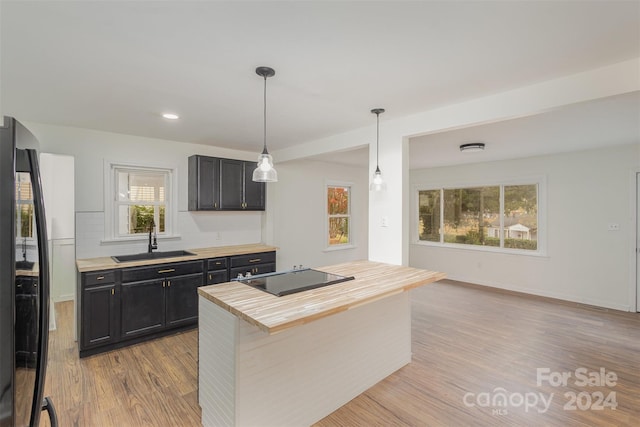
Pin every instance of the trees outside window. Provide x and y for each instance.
(141, 200)
(339, 215)
(502, 216)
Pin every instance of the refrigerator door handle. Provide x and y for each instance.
(43, 294)
(47, 405)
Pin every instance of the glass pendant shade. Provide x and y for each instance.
(377, 183)
(265, 171)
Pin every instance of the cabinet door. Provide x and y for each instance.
(142, 305)
(217, 276)
(204, 183)
(26, 328)
(231, 177)
(99, 315)
(254, 192)
(182, 299)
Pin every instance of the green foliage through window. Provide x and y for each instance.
(339, 214)
(474, 216)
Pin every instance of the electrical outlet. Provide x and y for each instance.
(613, 227)
(384, 222)
(218, 236)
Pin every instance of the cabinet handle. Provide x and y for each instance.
(168, 270)
(255, 260)
(99, 277)
(209, 277)
(113, 291)
(215, 204)
(163, 283)
(218, 263)
(169, 283)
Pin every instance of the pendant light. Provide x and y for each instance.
(265, 171)
(377, 183)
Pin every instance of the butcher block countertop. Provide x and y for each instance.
(272, 314)
(107, 263)
(34, 272)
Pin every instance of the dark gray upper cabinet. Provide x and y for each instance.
(204, 183)
(254, 192)
(232, 181)
(224, 184)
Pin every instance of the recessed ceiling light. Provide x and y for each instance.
(472, 146)
(170, 116)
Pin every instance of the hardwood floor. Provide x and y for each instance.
(469, 344)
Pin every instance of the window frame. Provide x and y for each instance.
(112, 204)
(351, 244)
(19, 202)
(540, 181)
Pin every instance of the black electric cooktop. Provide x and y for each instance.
(290, 282)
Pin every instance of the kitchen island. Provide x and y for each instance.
(292, 360)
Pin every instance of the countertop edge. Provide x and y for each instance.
(84, 265)
(321, 314)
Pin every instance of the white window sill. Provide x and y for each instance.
(339, 248)
(140, 238)
(491, 249)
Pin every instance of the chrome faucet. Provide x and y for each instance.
(153, 245)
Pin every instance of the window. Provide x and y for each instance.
(339, 215)
(140, 199)
(24, 206)
(500, 216)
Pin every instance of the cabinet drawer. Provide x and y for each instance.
(99, 277)
(134, 274)
(252, 259)
(26, 285)
(253, 269)
(217, 264)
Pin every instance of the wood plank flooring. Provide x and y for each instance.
(467, 341)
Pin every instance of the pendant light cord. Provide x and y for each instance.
(264, 149)
(377, 141)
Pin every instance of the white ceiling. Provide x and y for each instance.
(116, 66)
(604, 122)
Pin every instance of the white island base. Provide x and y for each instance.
(298, 376)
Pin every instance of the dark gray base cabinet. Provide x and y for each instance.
(100, 315)
(142, 307)
(134, 304)
(253, 264)
(26, 345)
(99, 308)
(121, 307)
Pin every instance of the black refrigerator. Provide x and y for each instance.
(24, 281)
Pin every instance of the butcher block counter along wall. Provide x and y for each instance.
(122, 303)
(102, 263)
(292, 360)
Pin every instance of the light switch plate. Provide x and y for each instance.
(613, 227)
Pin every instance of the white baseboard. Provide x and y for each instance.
(537, 292)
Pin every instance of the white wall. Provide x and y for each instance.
(296, 213)
(585, 262)
(389, 244)
(90, 148)
(58, 178)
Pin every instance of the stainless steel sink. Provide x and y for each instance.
(151, 255)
